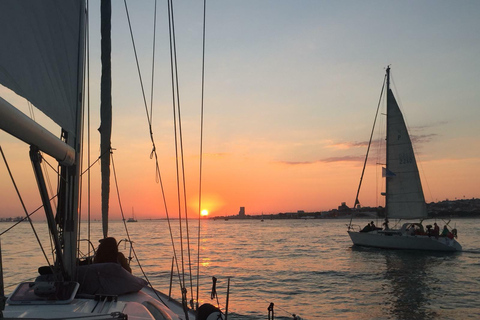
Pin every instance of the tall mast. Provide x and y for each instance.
(386, 149)
(106, 109)
(68, 201)
(388, 78)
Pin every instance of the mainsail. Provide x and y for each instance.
(405, 199)
(42, 60)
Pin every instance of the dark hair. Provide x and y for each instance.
(107, 251)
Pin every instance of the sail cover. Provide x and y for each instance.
(405, 199)
(39, 59)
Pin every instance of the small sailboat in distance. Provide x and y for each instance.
(132, 218)
(404, 198)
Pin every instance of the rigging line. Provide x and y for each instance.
(44, 168)
(149, 117)
(368, 149)
(379, 143)
(48, 182)
(145, 275)
(126, 228)
(154, 152)
(23, 205)
(153, 59)
(95, 162)
(182, 159)
(51, 167)
(25, 218)
(118, 196)
(201, 148)
(174, 75)
(87, 80)
(137, 63)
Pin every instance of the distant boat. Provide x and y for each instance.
(404, 198)
(132, 219)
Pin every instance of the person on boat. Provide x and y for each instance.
(374, 227)
(385, 225)
(436, 230)
(445, 231)
(107, 251)
(429, 230)
(367, 228)
(412, 230)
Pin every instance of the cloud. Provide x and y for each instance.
(431, 125)
(325, 160)
(422, 138)
(344, 159)
(347, 145)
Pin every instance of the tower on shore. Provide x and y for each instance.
(241, 213)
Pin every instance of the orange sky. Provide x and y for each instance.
(230, 181)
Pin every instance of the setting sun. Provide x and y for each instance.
(204, 213)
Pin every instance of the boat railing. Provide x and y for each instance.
(354, 227)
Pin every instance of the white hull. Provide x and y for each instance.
(142, 305)
(399, 240)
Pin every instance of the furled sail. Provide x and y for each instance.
(405, 199)
(41, 64)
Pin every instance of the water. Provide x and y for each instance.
(305, 267)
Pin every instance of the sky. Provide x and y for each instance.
(291, 90)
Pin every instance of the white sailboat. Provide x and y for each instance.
(404, 198)
(43, 60)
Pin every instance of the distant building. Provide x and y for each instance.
(241, 213)
(343, 206)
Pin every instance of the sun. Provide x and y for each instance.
(204, 213)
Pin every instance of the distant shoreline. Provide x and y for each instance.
(465, 208)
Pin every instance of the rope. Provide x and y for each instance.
(158, 175)
(127, 233)
(368, 150)
(213, 294)
(25, 218)
(23, 205)
(201, 148)
(153, 59)
(180, 164)
(87, 80)
(178, 133)
(178, 143)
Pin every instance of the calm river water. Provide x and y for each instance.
(305, 267)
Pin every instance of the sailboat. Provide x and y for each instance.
(404, 198)
(132, 218)
(43, 60)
